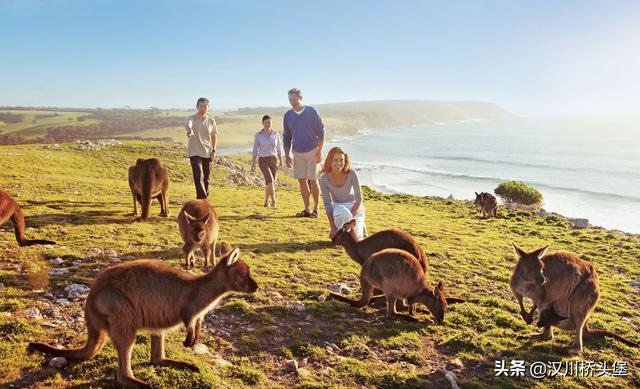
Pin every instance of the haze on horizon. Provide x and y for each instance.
(536, 58)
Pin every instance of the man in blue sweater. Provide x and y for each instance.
(303, 131)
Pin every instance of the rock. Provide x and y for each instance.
(298, 306)
(57, 261)
(58, 362)
(76, 263)
(111, 253)
(292, 366)
(200, 349)
(451, 378)
(340, 288)
(579, 222)
(220, 362)
(59, 272)
(129, 257)
(636, 285)
(543, 212)
(93, 252)
(297, 280)
(62, 301)
(115, 260)
(308, 318)
(33, 313)
(321, 298)
(78, 289)
(455, 364)
(49, 296)
(273, 294)
(1, 285)
(75, 295)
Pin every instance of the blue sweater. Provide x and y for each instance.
(303, 130)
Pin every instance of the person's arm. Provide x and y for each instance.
(326, 200)
(287, 138)
(188, 125)
(279, 150)
(214, 139)
(254, 152)
(318, 128)
(357, 191)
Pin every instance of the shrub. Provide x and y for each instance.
(518, 192)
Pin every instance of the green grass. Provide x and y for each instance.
(81, 199)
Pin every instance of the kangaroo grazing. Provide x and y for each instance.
(359, 251)
(564, 288)
(399, 275)
(147, 180)
(198, 223)
(152, 295)
(9, 209)
(487, 204)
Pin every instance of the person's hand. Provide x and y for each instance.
(190, 133)
(279, 165)
(213, 156)
(253, 167)
(318, 156)
(289, 162)
(333, 232)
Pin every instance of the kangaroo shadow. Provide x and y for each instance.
(285, 247)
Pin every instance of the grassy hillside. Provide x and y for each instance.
(81, 199)
(238, 127)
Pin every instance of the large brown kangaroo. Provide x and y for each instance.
(359, 251)
(198, 223)
(147, 180)
(152, 295)
(564, 288)
(9, 209)
(399, 275)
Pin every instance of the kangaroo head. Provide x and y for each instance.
(238, 274)
(530, 266)
(478, 201)
(198, 226)
(348, 230)
(435, 300)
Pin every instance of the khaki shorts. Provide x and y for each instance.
(305, 166)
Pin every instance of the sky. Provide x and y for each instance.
(530, 57)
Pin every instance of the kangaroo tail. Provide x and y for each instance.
(95, 341)
(600, 333)
(18, 225)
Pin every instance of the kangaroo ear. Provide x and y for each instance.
(476, 194)
(205, 218)
(438, 290)
(188, 217)
(233, 256)
(539, 252)
(519, 252)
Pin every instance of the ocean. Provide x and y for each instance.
(588, 169)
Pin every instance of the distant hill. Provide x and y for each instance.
(57, 125)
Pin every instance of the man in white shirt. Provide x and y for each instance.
(201, 149)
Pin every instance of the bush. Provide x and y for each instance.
(518, 192)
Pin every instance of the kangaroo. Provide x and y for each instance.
(152, 295)
(487, 204)
(9, 209)
(198, 223)
(399, 275)
(147, 180)
(566, 290)
(359, 251)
